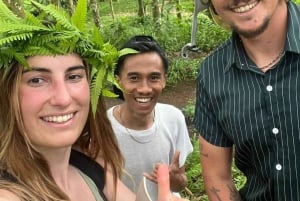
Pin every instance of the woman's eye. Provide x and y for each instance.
(35, 81)
(75, 77)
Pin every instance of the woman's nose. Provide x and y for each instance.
(60, 95)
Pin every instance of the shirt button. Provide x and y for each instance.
(278, 167)
(275, 131)
(269, 88)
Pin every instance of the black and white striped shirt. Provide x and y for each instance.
(258, 113)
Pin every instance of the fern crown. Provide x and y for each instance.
(55, 32)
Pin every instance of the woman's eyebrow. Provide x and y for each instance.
(39, 69)
(48, 70)
(76, 68)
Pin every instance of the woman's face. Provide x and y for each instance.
(54, 100)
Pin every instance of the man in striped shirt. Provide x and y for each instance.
(248, 95)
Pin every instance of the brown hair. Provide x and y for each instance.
(19, 157)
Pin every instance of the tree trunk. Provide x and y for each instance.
(71, 6)
(155, 12)
(141, 11)
(162, 8)
(112, 9)
(178, 10)
(96, 15)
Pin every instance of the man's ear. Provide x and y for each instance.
(164, 82)
(117, 78)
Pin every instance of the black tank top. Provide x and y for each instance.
(84, 163)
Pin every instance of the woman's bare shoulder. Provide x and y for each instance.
(6, 195)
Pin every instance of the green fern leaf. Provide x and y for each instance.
(38, 50)
(17, 37)
(15, 28)
(6, 14)
(32, 20)
(79, 17)
(96, 87)
(59, 14)
(97, 37)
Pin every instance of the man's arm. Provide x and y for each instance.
(216, 170)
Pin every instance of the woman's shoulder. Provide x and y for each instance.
(6, 195)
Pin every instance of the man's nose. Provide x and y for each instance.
(144, 87)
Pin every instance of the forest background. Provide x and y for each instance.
(171, 23)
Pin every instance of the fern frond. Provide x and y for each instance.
(38, 50)
(18, 28)
(7, 55)
(32, 20)
(6, 14)
(13, 38)
(79, 17)
(96, 87)
(21, 59)
(59, 14)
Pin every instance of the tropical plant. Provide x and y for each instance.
(53, 31)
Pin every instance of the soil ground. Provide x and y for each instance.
(178, 95)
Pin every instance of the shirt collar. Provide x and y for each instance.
(238, 57)
(292, 42)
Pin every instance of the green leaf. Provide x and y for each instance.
(6, 14)
(59, 14)
(17, 37)
(109, 94)
(126, 51)
(97, 86)
(79, 17)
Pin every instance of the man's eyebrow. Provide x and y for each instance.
(47, 70)
(132, 73)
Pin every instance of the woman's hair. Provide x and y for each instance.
(142, 44)
(28, 167)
